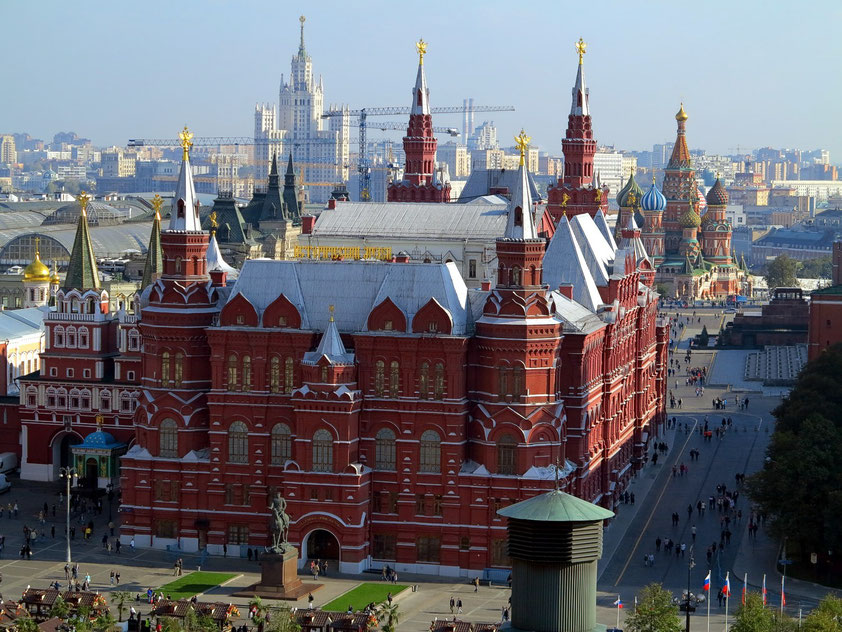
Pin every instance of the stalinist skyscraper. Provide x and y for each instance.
(319, 149)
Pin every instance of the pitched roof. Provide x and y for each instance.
(519, 223)
(185, 193)
(216, 261)
(556, 506)
(154, 265)
(565, 263)
(82, 273)
(330, 347)
(481, 181)
(602, 225)
(598, 253)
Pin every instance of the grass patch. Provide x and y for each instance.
(194, 583)
(363, 595)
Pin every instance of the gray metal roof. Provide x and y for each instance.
(20, 322)
(481, 220)
(565, 262)
(107, 240)
(481, 181)
(556, 506)
(354, 288)
(19, 219)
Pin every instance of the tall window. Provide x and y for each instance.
(394, 379)
(275, 374)
(232, 372)
(503, 381)
(83, 337)
(168, 439)
(385, 450)
(238, 534)
(517, 383)
(430, 452)
(238, 442)
(384, 546)
(289, 376)
(165, 368)
(179, 369)
(428, 548)
(134, 340)
(246, 373)
(379, 377)
(71, 336)
(281, 444)
(424, 380)
(500, 553)
(59, 334)
(324, 374)
(105, 401)
(439, 387)
(506, 454)
(322, 451)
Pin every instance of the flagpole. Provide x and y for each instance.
(618, 611)
(745, 588)
(782, 593)
(709, 598)
(764, 590)
(727, 597)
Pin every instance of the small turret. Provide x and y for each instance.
(520, 224)
(82, 272)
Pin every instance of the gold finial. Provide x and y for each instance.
(522, 142)
(421, 47)
(631, 199)
(330, 309)
(83, 199)
(682, 115)
(302, 19)
(99, 420)
(186, 138)
(157, 203)
(653, 178)
(37, 249)
(564, 200)
(598, 195)
(581, 48)
(214, 222)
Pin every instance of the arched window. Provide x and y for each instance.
(384, 457)
(168, 439)
(134, 340)
(503, 381)
(165, 368)
(439, 387)
(506, 445)
(324, 374)
(105, 401)
(71, 337)
(517, 383)
(232, 372)
(322, 451)
(281, 448)
(246, 373)
(379, 378)
(275, 374)
(394, 379)
(59, 336)
(83, 337)
(289, 376)
(238, 442)
(178, 264)
(424, 380)
(430, 452)
(179, 369)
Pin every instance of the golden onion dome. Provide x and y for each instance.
(55, 279)
(682, 115)
(690, 219)
(36, 271)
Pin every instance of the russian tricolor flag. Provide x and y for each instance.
(726, 589)
(764, 589)
(707, 581)
(618, 603)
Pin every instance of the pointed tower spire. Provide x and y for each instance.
(292, 211)
(301, 50)
(680, 152)
(185, 206)
(579, 106)
(274, 177)
(82, 273)
(215, 260)
(520, 224)
(154, 265)
(420, 93)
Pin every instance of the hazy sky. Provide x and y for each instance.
(751, 73)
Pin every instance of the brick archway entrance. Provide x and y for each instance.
(322, 545)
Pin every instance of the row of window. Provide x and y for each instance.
(384, 546)
(61, 399)
(426, 380)
(71, 337)
(239, 374)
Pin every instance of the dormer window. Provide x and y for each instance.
(388, 325)
(518, 216)
(240, 319)
(181, 208)
(282, 321)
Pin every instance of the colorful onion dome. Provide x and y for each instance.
(682, 115)
(36, 271)
(690, 219)
(717, 196)
(653, 200)
(631, 187)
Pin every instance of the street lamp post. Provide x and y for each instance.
(68, 473)
(690, 564)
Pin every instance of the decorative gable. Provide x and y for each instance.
(238, 312)
(281, 313)
(432, 318)
(386, 316)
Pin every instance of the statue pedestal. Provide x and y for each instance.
(279, 577)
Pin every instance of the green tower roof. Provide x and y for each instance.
(556, 506)
(82, 273)
(154, 265)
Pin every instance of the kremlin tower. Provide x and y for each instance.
(575, 192)
(419, 181)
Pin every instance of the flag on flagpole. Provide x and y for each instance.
(764, 589)
(783, 594)
(745, 587)
(619, 602)
(726, 589)
(707, 581)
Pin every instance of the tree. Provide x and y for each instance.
(389, 617)
(655, 612)
(827, 617)
(119, 598)
(26, 623)
(281, 619)
(753, 616)
(704, 337)
(60, 608)
(105, 621)
(820, 268)
(781, 272)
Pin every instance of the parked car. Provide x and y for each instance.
(5, 485)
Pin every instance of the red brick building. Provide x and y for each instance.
(394, 409)
(826, 311)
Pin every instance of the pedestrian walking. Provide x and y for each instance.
(452, 604)
(476, 584)
(459, 606)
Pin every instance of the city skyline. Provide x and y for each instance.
(728, 68)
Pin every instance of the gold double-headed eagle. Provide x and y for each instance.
(581, 48)
(83, 199)
(186, 138)
(421, 47)
(522, 143)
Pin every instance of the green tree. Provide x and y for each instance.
(199, 622)
(655, 612)
(282, 620)
(827, 617)
(104, 621)
(753, 616)
(388, 616)
(60, 608)
(820, 268)
(782, 272)
(119, 599)
(704, 337)
(26, 623)
(169, 624)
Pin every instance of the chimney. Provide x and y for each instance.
(331, 203)
(486, 286)
(566, 289)
(218, 278)
(401, 257)
(308, 221)
(499, 191)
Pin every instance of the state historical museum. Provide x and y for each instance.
(395, 409)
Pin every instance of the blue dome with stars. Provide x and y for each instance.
(653, 200)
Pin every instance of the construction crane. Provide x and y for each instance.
(363, 166)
